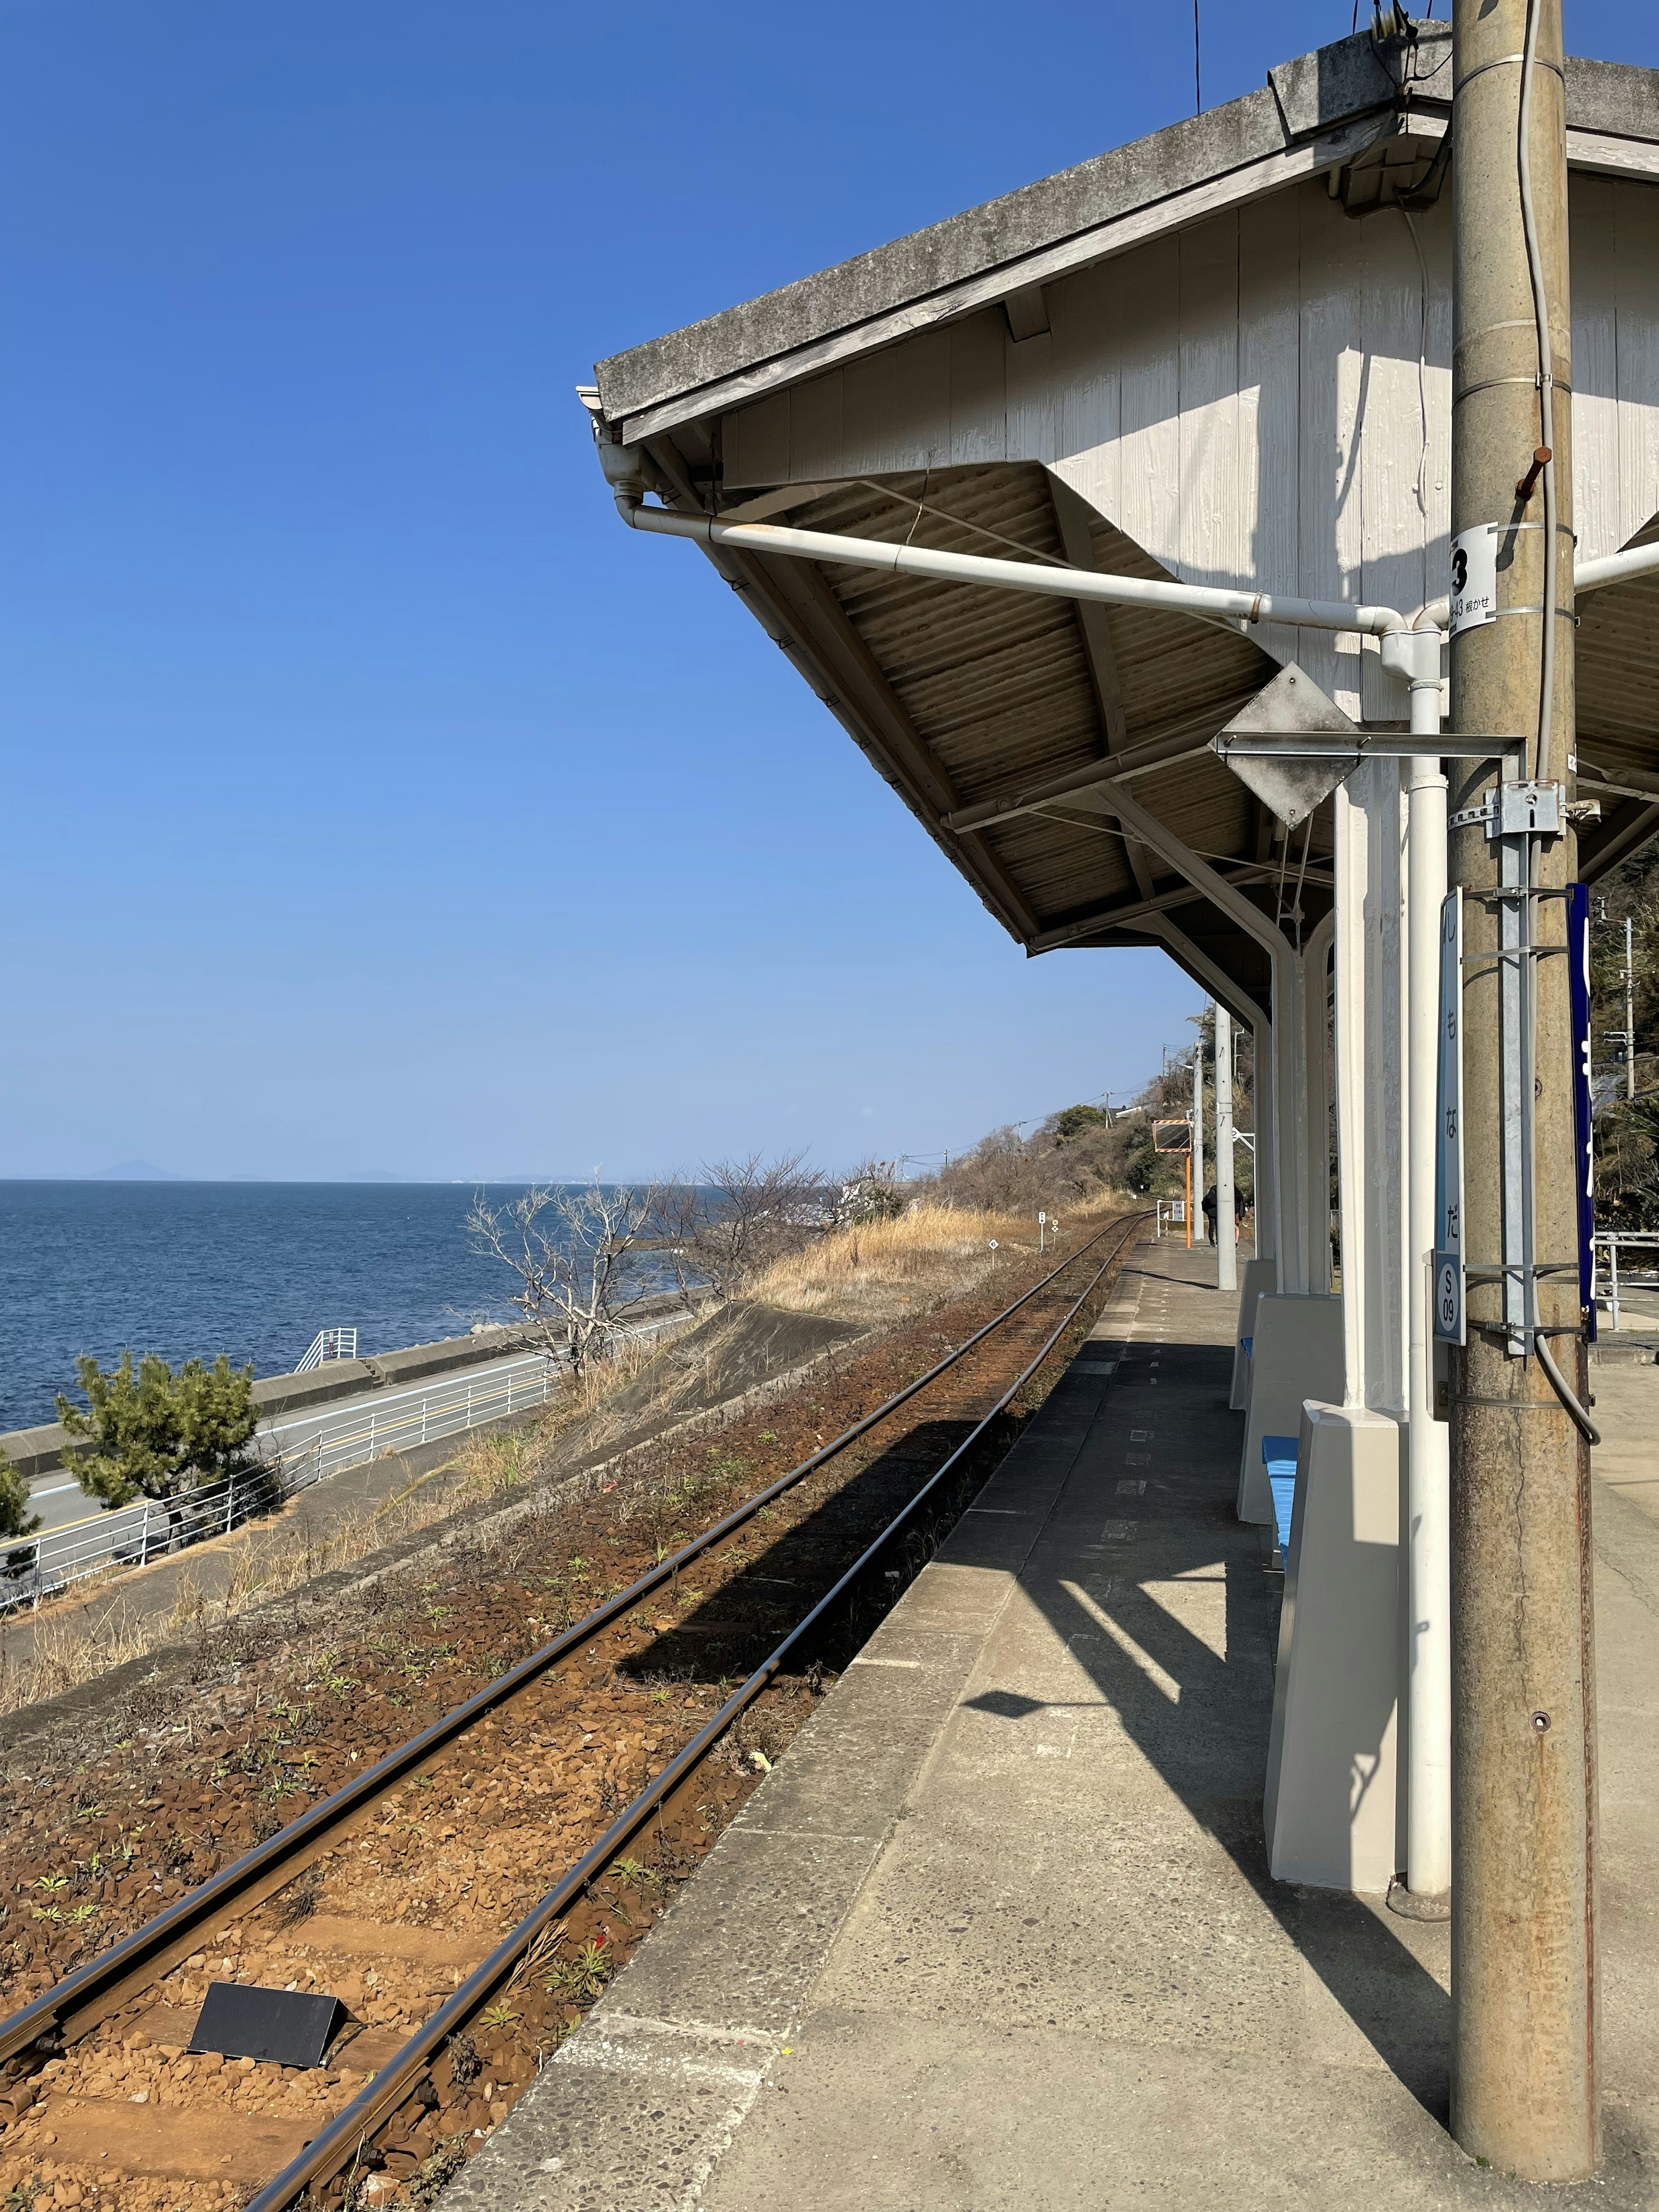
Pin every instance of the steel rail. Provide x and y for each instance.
(345, 2136)
(134, 1959)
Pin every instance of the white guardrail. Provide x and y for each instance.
(294, 1453)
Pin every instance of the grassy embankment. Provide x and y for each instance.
(875, 1273)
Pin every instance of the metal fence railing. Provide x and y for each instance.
(293, 1454)
(1606, 1246)
(329, 1343)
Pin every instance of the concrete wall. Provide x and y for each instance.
(36, 1451)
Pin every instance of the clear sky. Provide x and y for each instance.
(373, 801)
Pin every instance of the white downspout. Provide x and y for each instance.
(1350, 860)
(624, 468)
(1428, 1502)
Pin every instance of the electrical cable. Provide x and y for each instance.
(1545, 392)
(1198, 77)
(1580, 1419)
(1422, 354)
(1301, 877)
(1558, 1381)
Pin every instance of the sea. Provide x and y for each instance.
(253, 1269)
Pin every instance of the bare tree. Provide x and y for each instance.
(870, 1192)
(575, 1251)
(735, 1220)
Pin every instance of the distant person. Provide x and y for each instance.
(1211, 1208)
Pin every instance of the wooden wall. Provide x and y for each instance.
(1247, 399)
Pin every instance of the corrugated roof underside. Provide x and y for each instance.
(1618, 669)
(1000, 688)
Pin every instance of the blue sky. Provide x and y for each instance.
(374, 801)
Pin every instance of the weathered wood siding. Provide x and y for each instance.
(1249, 400)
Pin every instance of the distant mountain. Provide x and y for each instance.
(136, 1171)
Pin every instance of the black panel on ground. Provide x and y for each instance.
(287, 2027)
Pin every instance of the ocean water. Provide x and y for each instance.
(193, 1269)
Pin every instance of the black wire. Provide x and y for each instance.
(1198, 80)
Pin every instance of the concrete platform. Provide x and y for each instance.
(999, 1930)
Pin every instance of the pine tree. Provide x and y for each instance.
(155, 1433)
(15, 1519)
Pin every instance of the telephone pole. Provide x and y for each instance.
(1524, 2080)
(1227, 1226)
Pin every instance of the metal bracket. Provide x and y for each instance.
(1363, 744)
(1518, 809)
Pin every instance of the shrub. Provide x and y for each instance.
(155, 1433)
(15, 1518)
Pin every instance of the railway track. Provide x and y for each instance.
(96, 2079)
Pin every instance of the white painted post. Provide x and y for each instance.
(1428, 1505)
(1265, 1157)
(1226, 1228)
(1198, 1128)
(1353, 859)
(1316, 1107)
(1290, 1126)
(423, 1420)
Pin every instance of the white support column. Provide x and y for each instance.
(1226, 1228)
(1315, 991)
(1428, 1550)
(1289, 1123)
(1371, 1057)
(1289, 1189)
(1264, 1159)
(1351, 860)
(1198, 1128)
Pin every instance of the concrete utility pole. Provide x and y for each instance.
(1524, 2086)
(1198, 1126)
(1226, 1227)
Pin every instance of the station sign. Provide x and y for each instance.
(1451, 1325)
(1473, 594)
(1578, 989)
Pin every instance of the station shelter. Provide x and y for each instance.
(1044, 499)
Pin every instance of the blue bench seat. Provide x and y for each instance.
(1278, 1455)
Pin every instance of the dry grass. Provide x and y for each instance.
(57, 1647)
(884, 1270)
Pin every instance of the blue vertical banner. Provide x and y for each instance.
(1449, 1324)
(1579, 973)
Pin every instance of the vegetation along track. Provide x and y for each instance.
(95, 2077)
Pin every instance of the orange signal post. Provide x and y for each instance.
(1185, 1145)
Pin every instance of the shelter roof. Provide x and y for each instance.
(1181, 418)
(1323, 108)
